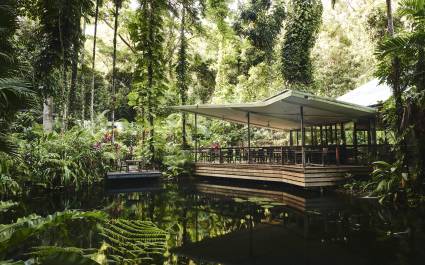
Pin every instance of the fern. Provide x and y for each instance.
(134, 241)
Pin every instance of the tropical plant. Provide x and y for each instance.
(14, 235)
(407, 50)
(147, 32)
(15, 96)
(134, 241)
(6, 205)
(302, 25)
(72, 159)
(51, 255)
(388, 181)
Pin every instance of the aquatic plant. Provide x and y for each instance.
(134, 241)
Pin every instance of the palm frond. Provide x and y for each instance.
(15, 95)
(412, 9)
(393, 45)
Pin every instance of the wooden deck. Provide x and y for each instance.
(309, 176)
(133, 174)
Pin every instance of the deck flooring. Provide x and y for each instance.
(309, 176)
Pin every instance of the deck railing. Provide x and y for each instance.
(293, 155)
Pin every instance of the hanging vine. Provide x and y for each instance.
(303, 23)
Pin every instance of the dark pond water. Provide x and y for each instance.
(216, 222)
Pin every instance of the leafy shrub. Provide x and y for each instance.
(72, 159)
(178, 161)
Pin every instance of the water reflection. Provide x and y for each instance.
(243, 223)
(218, 222)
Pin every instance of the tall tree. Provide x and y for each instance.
(394, 79)
(302, 26)
(118, 4)
(407, 49)
(260, 22)
(146, 31)
(61, 33)
(96, 18)
(189, 16)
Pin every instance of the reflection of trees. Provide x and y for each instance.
(191, 216)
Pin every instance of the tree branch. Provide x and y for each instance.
(120, 36)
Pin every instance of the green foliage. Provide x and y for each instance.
(147, 32)
(377, 23)
(176, 161)
(133, 241)
(388, 181)
(71, 159)
(6, 205)
(25, 228)
(402, 65)
(302, 26)
(260, 22)
(52, 255)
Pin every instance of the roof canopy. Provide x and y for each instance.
(369, 94)
(283, 111)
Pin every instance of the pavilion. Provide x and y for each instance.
(328, 139)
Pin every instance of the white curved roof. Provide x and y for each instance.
(369, 94)
(283, 111)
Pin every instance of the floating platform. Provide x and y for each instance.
(309, 176)
(146, 174)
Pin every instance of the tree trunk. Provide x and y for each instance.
(150, 88)
(396, 71)
(48, 114)
(182, 73)
(74, 80)
(93, 63)
(82, 83)
(114, 61)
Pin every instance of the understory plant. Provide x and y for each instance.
(71, 159)
(177, 161)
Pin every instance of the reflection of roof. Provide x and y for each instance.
(283, 111)
(369, 94)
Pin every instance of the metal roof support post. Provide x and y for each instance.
(302, 135)
(291, 139)
(336, 134)
(297, 137)
(355, 140)
(196, 137)
(311, 136)
(249, 137)
(343, 138)
(321, 135)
